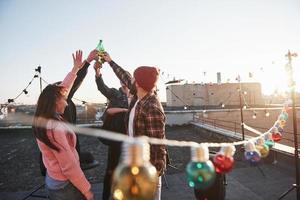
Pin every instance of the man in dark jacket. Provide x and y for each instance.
(113, 120)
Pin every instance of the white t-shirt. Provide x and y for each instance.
(131, 117)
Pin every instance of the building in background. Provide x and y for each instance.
(213, 94)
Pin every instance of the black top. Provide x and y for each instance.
(70, 111)
(117, 98)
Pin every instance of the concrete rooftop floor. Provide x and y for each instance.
(247, 183)
(244, 182)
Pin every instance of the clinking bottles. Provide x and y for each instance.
(101, 50)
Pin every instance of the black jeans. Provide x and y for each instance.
(113, 123)
(113, 157)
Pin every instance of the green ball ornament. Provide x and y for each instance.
(200, 170)
(200, 175)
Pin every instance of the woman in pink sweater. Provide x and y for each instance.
(64, 179)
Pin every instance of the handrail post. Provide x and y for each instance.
(234, 127)
(241, 109)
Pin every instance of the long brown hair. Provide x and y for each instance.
(46, 110)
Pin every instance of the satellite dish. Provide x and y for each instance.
(174, 81)
(98, 115)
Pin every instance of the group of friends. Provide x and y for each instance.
(134, 109)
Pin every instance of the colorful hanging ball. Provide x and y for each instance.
(282, 124)
(223, 160)
(276, 136)
(269, 140)
(262, 147)
(251, 154)
(280, 130)
(277, 124)
(282, 120)
(283, 116)
(200, 170)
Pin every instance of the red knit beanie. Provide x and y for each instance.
(146, 77)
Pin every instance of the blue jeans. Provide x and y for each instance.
(68, 192)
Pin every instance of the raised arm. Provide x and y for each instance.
(68, 81)
(122, 74)
(82, 72)
(102, 87)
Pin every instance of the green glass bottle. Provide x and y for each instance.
(100, 47)
(101, 50)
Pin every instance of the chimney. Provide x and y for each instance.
(219, 77)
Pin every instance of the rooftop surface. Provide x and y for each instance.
(19, 172)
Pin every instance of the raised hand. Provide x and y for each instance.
(94, 55)
(77, 61)
(106, 57)
(89, 195)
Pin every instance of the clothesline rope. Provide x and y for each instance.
(105, 134)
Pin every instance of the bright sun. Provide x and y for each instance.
(275, 78)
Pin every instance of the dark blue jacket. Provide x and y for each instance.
(116, 98)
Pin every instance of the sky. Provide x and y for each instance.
(184, 38)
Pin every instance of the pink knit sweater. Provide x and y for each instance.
(63, 165)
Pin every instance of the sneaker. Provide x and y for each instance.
(87, 161)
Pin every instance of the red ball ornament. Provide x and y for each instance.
(276, 136)
(223, 161)
(223, 164)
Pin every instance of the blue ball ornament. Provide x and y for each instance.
(253, 157)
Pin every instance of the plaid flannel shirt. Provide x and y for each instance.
(149, 119)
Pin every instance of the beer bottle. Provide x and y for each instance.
(101, 50)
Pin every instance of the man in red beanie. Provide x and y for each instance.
(145, 114)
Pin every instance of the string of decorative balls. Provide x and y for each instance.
(135, 177)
